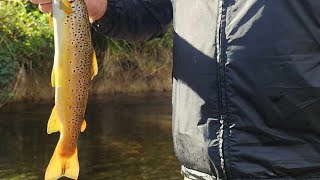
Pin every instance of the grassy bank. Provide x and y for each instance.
(26, 57)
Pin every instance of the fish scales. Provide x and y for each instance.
(79, 54)
(74, 67)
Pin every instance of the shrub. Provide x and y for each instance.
(25, 38)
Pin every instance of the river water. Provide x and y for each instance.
(127, 138)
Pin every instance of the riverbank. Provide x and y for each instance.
(35, 86)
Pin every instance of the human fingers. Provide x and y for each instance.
(45, 6)
(41, 1)
(96, 8)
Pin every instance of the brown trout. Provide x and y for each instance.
(74, 66)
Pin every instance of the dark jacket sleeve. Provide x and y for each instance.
(135, 19)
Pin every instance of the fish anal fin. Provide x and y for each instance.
(62, 166)
(54, 123)
(65, 6)
(83, 125)
(94, 69)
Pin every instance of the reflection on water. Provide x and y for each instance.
(126, 138)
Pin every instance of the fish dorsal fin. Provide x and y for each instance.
(65, 6)
(94, 69)
(51, 21)
(54, 124)
(83, 125)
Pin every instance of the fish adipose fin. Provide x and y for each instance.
(62, 166)
(54, 124)
(65, 6)
(94, 69)
(84, 125)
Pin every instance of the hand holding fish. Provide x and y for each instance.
(96, 8)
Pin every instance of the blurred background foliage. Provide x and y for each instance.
(26, 41)
(25, 38)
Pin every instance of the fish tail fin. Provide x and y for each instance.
(62, 166)
(73, 166)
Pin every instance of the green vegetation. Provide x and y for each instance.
(25, 38)
(130, 61)
(26, 41)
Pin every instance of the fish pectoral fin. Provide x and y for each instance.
(94, 69)
(54, 124)
(55, 77)
(83, 125)
(50, 21)
(53, 84)
(62, 166)
(65, 6)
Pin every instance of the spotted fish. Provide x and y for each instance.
(74, 67)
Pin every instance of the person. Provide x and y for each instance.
(246, 84)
